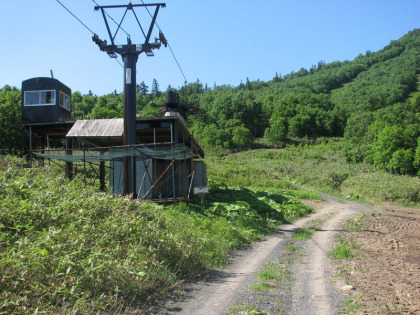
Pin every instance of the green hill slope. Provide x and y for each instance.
(367, 100)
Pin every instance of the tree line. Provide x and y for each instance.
(372, 101)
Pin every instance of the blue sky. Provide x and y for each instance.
(218, 42)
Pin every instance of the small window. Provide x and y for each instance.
(31, 98)
(48, 97)
(39, 98)
(65, 101)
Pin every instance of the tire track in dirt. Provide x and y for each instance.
(311, 293)
(219, 292)
(310, 290)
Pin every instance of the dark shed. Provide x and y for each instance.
(45, 100)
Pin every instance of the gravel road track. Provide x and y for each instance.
(310, 291)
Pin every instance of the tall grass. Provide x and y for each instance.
(68, 248)
(320, 166)
(380, 186)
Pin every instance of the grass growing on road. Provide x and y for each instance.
(244, 309)
(303, 234)
(292, 248)
(273, 275)
(278, 274)
(316, 223)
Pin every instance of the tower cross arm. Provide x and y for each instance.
(163, 5)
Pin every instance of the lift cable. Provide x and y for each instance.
(113, 20)
(119, 62)
(76, 17)
(173, 55)
(83, 24)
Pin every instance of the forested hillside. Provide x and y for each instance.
(373, 101)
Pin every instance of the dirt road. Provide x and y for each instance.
(310, 291)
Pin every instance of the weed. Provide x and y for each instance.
(354, 224)
(292, 248)
(273, 275)
(303, 234)
(262, 286)
(353, 304)
(316, 223)
(394, 308)
(242, 309)
(343, 249)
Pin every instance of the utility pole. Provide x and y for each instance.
(129, 54)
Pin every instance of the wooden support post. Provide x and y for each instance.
(69, 151)
(102, 175)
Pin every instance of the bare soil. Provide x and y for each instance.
(387, 273)
(384, 279)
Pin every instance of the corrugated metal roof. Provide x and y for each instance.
(97, 128)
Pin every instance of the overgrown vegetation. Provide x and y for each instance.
(321, 166)
(65, 247)
(343, 249)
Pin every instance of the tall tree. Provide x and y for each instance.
(142, 88)
(155, 88)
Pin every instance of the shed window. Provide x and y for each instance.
(39, 98)
(65, 101)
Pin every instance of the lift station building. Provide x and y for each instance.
(168, 161)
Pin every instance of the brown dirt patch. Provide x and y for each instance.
(387, 275)
(316, 204)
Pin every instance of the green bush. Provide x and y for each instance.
(416, 162)
(278, 131)
(390, 139)
(12, 140)
(402, 162)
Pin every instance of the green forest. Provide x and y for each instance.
(372, 101)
